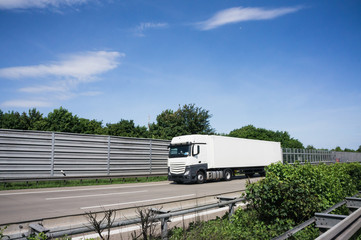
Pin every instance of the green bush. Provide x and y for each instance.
(298, 191)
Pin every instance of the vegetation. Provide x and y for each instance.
(105, 223)
(187, 119)
(72, 183)
(252, 132)
(286, 197)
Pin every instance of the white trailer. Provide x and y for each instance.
(197, 158)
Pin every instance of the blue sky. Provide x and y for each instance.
(282, 65)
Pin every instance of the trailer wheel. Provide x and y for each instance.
(201, 177)
(228, 175)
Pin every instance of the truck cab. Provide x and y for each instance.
(187, 156)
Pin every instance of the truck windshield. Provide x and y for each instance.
(179, 151)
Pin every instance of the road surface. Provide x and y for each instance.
(18, 206)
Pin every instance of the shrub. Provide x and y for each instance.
(298, 191)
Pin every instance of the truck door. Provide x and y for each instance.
(200, 153)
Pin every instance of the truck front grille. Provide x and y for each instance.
(177, 168)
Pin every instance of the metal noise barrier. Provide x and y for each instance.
(47, 155)
(162, 216)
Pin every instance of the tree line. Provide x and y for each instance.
(187, 119)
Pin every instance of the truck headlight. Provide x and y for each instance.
(186, 172)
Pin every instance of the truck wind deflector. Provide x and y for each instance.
(179, 144)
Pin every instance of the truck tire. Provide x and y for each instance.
(201, 177)
(228, 175)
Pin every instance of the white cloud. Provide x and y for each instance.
(148, 25)
(61, 80)
(80, 66)
(26, 103)
(240, 14)
(23, 4)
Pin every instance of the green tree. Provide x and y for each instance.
(359, 149)
(29, 121)
(252, 132)
(126, 128)
(337, 149)
(61, 120)
(1, 118)
(188, 119)
(12, 120)
(91, 126)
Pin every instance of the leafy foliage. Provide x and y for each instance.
(39, 236)
(2, 229)
(298, 191)
(252, 132)
(188, 119)
(126, 128)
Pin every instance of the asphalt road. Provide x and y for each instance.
(18, 206)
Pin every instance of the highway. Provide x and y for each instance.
(18, 206)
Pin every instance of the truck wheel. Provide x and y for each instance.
(201, 177)
(227, 175)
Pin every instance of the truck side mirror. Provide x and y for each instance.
(196, 151)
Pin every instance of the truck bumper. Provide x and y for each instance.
(179, 178)
(190, 176)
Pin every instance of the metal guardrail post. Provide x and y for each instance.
(52, 154)
(163, 223)
(231, 205)
(38, 228)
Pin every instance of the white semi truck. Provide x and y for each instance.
(198, 158)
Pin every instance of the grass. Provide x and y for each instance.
(80, 182)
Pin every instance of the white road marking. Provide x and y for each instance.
(94, 195)
(175, 219)
(82, 189)
(142, 201)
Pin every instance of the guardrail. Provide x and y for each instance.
(159, 215)
(333, 226)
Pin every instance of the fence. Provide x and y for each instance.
(47, 154)
(34, 154)
(291, 155)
